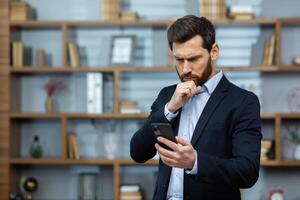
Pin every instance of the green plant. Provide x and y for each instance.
(293, 135)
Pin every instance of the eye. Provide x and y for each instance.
(194, 59)
(179, 59)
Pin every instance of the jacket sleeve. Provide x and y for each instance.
(242, 169)
(143, 141)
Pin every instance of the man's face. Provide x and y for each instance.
(192, 61)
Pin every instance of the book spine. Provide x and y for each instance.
(90, 93)
(98, 101)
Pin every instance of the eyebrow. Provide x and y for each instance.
(188, 58)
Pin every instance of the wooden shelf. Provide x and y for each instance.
(107, 116)
(37, 70)
(289, 115)
(108, 69)
(155, 23)
(270, 163)
(78, 115)
(124, 162)
(30, 115)
(267, 116)
(290, 20)
(89, 23)
(35, 115)
(257, 21)
(118, 115)
(58, 161)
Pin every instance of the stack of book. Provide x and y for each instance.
(73, 147)
(129, 16)
(110, 9)
(74, 56)
(131, 192)
(241, 12)
(269, 51)
(129, 107)
(213, 9)
(20, 11)
(94, 92)
(17, 54)
(266, 150)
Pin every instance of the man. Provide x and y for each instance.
(217, 124)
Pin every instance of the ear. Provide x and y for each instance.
(214, 53)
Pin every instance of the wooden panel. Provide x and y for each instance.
(4, 173)
(278, 29)
(116, 91)
(4, 61)
(4, 191)
(15, 139)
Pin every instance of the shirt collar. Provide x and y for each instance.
(211, 84)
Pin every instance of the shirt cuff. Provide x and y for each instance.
(195, 167)
(169, 115)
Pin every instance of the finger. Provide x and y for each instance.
(169, 161)
(182, 141)
(198, 89)
(165, 152)
(167, 142)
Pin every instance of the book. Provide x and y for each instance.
(131, 192)
(40, 57)
(236, 8)
(70, 151)
(74, 56)
(213, 9)
(18, 54)
(130, 188)
(129, 107)
(109, 9)
(269, 51)
(94, 92)
(74, 147)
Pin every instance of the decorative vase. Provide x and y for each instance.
(297, 152)
(49, 104)
(36, 150)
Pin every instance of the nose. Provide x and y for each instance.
(186, 67)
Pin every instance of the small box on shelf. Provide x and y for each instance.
(131, 192)
(129, 107)
(21, 11)
(241, 12)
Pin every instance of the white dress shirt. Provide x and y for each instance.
(190, 114)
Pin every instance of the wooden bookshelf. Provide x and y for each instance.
(8, 74)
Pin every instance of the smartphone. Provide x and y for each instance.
(164, 130)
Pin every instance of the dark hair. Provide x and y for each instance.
(188, 27)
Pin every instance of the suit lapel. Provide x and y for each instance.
(215, 99)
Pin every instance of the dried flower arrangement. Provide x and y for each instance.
(53, 85)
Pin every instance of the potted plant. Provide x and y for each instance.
(293, 136)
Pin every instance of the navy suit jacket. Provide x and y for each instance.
(227, 140)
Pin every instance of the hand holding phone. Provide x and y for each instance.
(164, 130)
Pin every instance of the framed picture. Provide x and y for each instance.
(122, 49)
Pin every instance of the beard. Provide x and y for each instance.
(199, 81)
